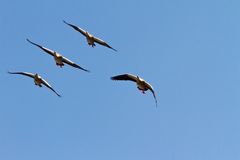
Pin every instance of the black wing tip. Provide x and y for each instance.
(28, 40)
(9, 72)
(113, 78)
(87, 71)
(68, 23)
(114, 49)
(155, 99)
(53, 90)
(65, 22)
(107, 45)
(83, 69)
(118, 77)
(56, 93)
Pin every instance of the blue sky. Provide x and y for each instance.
(188, 50)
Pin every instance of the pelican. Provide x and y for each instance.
(90, 38)
(59, 59)
(38, 80)
(142, 85)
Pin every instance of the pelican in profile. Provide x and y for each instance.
(59, 59)
(142, 85)
(38, 80)
(90, 38)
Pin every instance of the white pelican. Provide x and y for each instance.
(59, 59)
(142, 85)
(90, 38)
(38, 80)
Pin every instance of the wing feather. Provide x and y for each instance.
(23, 73)
(126, 77)
(151, 89)
(43, 48)
(82, 31)
(44, 82)
(69, 62)
(101, 42)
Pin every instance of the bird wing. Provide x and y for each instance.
(101, 42)
(125, 77)
(69, 62)
(23, 73)
(43, 48)
(151, 89)
(82, 31)
(49, 86)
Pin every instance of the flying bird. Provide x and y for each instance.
(142, 85)
(90, 38)
(38, 80)
(59, 59)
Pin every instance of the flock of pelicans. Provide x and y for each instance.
(60, 60)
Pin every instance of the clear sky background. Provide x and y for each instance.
(188, 50)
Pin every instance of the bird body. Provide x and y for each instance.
(38, 80)
(142, 85)
(90, 39)
(58, 59)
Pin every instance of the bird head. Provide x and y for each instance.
(36, 76)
